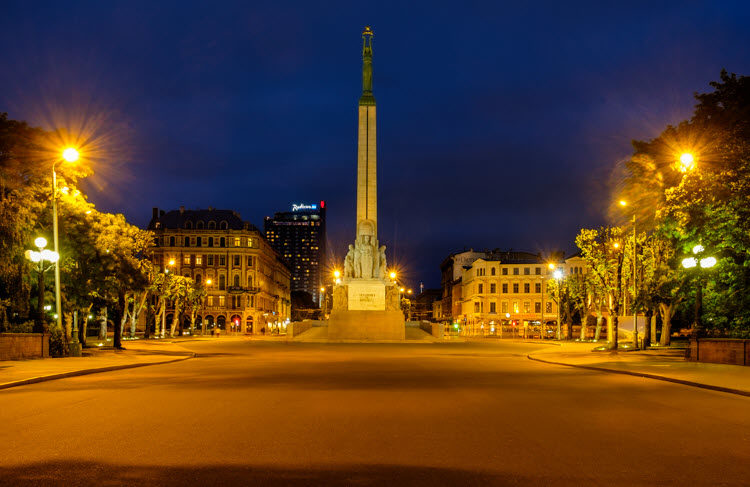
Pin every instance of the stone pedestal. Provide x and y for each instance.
(366, 309)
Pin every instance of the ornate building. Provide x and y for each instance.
(248, 284)
(508, 292)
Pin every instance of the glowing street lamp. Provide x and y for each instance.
(69, 155)
(698, 263)
(393, 275)
(687, 162)
(558, 275)
(40, 257)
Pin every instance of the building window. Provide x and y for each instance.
(481, 288)
(505, 271)
(199, 225)
(222, 260)
(526, 287)
(236, 241)
(527, 271)
(237, 280)
(222, 301)
(210, 260)
(493, 288)
(537, 287)
(526, 306)
(538, 271)
(515, 306)
(476, 307)
(492, 307)
(222, 282)
(537, 307)
(171, 241)
(223, 225)
(493, 271)
(249, 281)
(515, 271)
(222, 242)
(198, 279)
(211, 225)
(199, 242)
(548, 307)
(210, 301)
(210, 241)
(188, 224)
(249, 242)
(236, 261)
(505, 288)
(186, 260)
(515, 288)
(198, 260)
(504, 307)
(249, 261)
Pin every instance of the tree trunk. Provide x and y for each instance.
(647, 328)
(666, 323)
(163, 329)
(598, 331)
(103, 323)
(122, 310)
(124, 318)
(584, 328)
(175, 317)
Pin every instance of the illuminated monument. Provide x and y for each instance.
(366, 305)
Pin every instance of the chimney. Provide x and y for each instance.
(155, 213)
(182, 209)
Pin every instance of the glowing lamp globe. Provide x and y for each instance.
(40, 242)
(70, 155)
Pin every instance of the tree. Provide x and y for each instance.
(602, 250)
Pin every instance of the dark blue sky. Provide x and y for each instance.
(498, 123)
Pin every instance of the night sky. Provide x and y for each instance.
(499, 123)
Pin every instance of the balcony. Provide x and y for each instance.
(242, 290)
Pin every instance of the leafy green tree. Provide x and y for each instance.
(602, 250)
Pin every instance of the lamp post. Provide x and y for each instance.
(698, 264)
(624, 203)
(203, 318)
(558, 274)
(69, 155)
(39, 257)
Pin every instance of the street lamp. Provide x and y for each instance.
(558, 275)
(40, 257)
(203, 318)
(69, 155)
(698, 263)
(624, 203)
(687, 162)
(337, 276)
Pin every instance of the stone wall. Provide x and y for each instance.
(16, 346)
(720, 351)
(296, 328)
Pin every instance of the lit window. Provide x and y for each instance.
(186, 260)
(222, 301)
(198, 260)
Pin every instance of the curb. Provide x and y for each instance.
(728, 390)
(76, 373)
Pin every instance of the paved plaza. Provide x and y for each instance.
(249, 412)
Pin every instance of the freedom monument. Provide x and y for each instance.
(366, 304)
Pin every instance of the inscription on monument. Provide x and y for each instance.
(366, 296)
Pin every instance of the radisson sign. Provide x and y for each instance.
(303, 206)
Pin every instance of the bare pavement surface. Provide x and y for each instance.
(246, 412)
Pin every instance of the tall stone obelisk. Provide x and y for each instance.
(367, 163)
(366, 305)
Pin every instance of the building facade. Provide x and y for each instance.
(450, 281)
(509, 293)
(247, 283)
(299, 236)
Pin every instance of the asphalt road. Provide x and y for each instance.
(267, 413)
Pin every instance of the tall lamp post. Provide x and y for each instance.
(698, 263)
(68, 155)
(40, 257)
(558, 274)
(624, 203)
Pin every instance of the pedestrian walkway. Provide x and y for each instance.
(662, 364)
(137, 353)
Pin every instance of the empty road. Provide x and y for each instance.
(270, 413)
